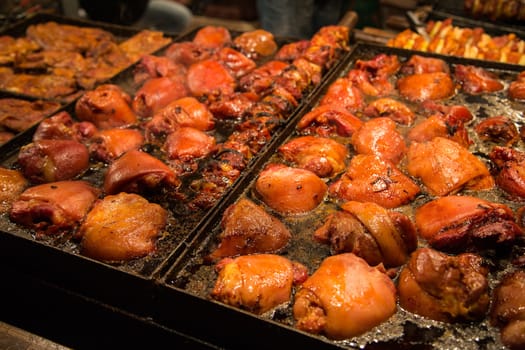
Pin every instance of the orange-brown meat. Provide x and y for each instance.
(516, 89)
(343, 93)
(426, 86)
(156, 93)
(107, 145)
(62, 127)
(210, 78)
(477, 80)
(256, 43)
(12, 183)
(257, 283)
(121, 227)
(329, 120)
(344, 297)
(212, 37)
(498, 129)
(440, 125)
(510, 170)
(187, 143)
(390, 108)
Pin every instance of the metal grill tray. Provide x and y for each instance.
(117, 284)
(190, 279)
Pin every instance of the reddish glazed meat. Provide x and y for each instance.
(390, 108)
(381, 66)
(343, 93)
(477, 80)
(262, 77)
(257, 283)
(107, 107)
(151, 67)
(510, 170)
(499, 129)
(209, 78)
(443, 287)
(187, 52)
(418, 64)
(121, 227)
(138, 172)
(426, 86)
(323, 156)
(343, 298)
(329, 120)
(327, 45)
(440, 125)
(291, 51)
(507, 311)
(212, 37)
(187, 143)
(54, 208)
(380, 137)
(456, 223)
(312, 70)
(107, 145)
(368, 84)
(445, 167)
(12, 183)
(155, 94)
(236, 62)
(234, 106)
(246, 228)
(256, 43)
(62, 127)
(371, 232)
(516, 89)
(290, 190)
(369, 178)
(53, 160)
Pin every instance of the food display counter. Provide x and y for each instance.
(214, 225)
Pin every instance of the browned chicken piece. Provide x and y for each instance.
(18, 114)
(291, 51)
(62, 127)
(344, 93)
(369, 178)
(157, 93)
(256, 43)
(188, 143)
(345, 297)
(507, 311)
(143, 43)
(476, 80)
(426, 86)
(313, 71)
(510, 170)
(323, 156)
(257, 283)
(294, 79)
(445, 167)
(151, 66)
(329, 120)
(289, 190)
(53, 160)
(122, 227)
(187, 52)
(233, 106)
(138, 172)
(12, 184)
(371, 232)
(516, 89)
(11, 48)
(107, 145)
(498, 129)
(212, 37)
(381, 137)
(440, 125)
(418, 64)
(262, 78)
(210, 78)
(54, 208)
(108, 106)
(327, 45)
(390, 108)
(246, 228)
(443, 287)
(237, 63)
(457, 223)
(369, 85)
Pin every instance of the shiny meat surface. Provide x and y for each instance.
(12, 184)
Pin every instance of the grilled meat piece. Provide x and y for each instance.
(256, 43)
(476, 80)
(329, 120)
(157, 93)
(498, 129)
(426, 86)
(18, 114)
(343, 93)
(510, 173)
(107, 145)
(62, 127)
(390, 108)
(12, 184)
(212, 37)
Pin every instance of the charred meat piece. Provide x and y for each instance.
(507, 312)
(246, 228)
(257, 283)
(371, 232)
(390, 108)
(107, 145)
(261, 78)
(426, 86)
(477, 80)
(234, 106)
(256, 43)
(54, 208)
(289, 190)
(458, 223)
(443, 287)
(498, 129)
(445, 167)
(121, 227)
(53, 160)
(62, 127)
(510, 171)
(12, 184)
(323, 156)
(327, 45)
(369, 178)
(107, 106)
(291, 51)
(343, 298)
(329, 120)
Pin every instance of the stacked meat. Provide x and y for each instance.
(413, 212)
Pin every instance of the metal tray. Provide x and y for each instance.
(60, 262)
(190, 279)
